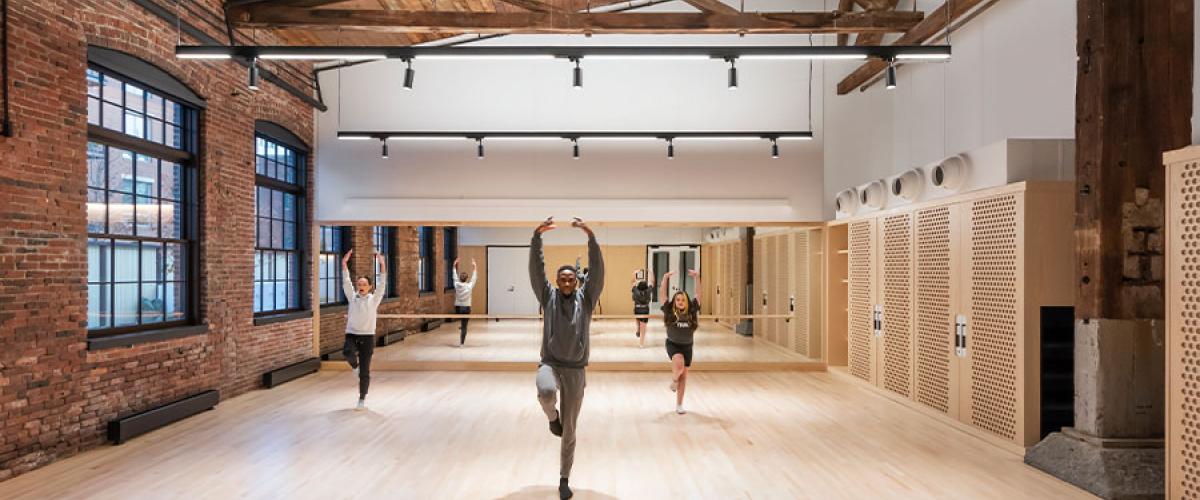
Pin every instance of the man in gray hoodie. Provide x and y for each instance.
(565, 339)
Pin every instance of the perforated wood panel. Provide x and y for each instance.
(779, 279)
(801, 288)
(993, 325)
(759, 288)
(859, 304)
(934, 318)
(738, 286)
(897, 254)
(1183, 346)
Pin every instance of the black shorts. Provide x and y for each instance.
(684, 349)
(642, 310)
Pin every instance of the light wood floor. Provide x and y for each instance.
(450, 435)
(613, 343)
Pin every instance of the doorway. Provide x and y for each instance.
(508, 281)
(662, 259)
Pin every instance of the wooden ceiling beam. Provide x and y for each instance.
(534, 5)
(576, 23)
(712, 6)
(844, 6)
(874, 5)
(936, 22)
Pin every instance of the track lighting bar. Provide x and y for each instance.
(895, 52)
(576, 136)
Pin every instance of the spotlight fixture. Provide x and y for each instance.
(479, 147)
(409, 74)
(774, 148)
(732, 73)
(253, 84)
(384, 155)
(577, 81)
(801, 52)
(891, 74)
(574, 149)
(671, 149)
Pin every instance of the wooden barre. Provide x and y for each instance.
(597, 316)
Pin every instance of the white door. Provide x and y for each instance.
(508, 281)
(662, 259)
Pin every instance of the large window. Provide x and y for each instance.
(383, 237)
(449, 253)
(141, 205)
(333, 247)
(279, 215)
(425, 274)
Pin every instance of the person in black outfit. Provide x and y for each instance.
(641, 304)
(681, 315)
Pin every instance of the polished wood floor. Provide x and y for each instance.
(516, 344)
(451, 435)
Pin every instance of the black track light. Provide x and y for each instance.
(253, 84)
(774, 149)
(479, 147)
(575, 149)
(577, 81)
(891, 74)
(670, 149)
(409, 74)
(732, 74)
(384, 155)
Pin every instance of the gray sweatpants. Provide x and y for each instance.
(571, 383)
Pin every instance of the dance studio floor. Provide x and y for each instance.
(473, 435)
(515, 344)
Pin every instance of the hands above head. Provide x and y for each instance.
(693, 273)
(547, 225)
(346, 258)
(473, 264)
(579, 223)
(456, 263)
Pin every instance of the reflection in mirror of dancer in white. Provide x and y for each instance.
(462, 296)
(565, 339)
(641, 302)
(681, 316)
(361, 308)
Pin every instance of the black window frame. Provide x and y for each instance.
(335, 250)
(449, 254)
(299, 190)
(426, 279)
(383, 241)
(150, 81)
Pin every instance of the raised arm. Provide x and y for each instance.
(537, 262)
(381, 286)
(347, 284)
(595, 279)
(662, 290)
(696, 276)
(474, 273)
(455, 273)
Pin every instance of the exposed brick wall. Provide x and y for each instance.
(56, 397)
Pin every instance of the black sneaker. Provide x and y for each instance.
(556, 428)
(564, 491)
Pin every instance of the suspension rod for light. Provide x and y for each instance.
(897, 52)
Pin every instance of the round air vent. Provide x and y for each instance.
(846, 201)
(907, 186)
(873, 194)
(951, 173)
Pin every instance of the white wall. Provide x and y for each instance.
(565, 235)
(1012, 75)
(623, 181)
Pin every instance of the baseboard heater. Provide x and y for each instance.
(291, 372)
(431, 325)
(392, 338)
(124, 429)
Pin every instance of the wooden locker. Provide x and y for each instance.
(758, 290)
(1183, 332)
(936, 302)
(783, 289)
(799, 301)
(816, 302)
(860, 330)
(895, 265)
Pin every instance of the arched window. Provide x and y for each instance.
(279, 210)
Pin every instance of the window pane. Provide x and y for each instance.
(152, 265)
(289, 236)
(93, 111)
(276, 205)
(120, 170)
(133, 98)
(95, 210)
(264, 233)
(271, 151)
(174, 112)
(172, 180)
(98, 304)
(260, 165)
(293, 294)
(147, 216)
(176, 301)
(135, 124)
(258, 266)
(152, 302)
(125, 298)
(172, 136)
(147, 176)
(99, 261)
(291, 175)
(173, 262)
(264, 202)
(125, 261)
(113, 117)
(120, 214)
(93, 82)
(154, 131)
(289, 207)
(289, 157)
(172, 219)
(268, 296)
(258, 302)
(154, 105)
(281, 266)
(112, 90)
(281, 295)
(276, 234)
(95, 165)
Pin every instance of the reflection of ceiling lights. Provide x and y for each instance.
(723, 53)
(575, 137)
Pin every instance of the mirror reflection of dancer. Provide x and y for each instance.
(462, 296)
(681, 316)
(565, 339)
(362, 306)
(641, 290)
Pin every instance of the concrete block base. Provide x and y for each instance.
(1109, 468)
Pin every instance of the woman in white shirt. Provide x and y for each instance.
(462, 296)
(361, 309)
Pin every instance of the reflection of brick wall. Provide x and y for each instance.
(403, 267)
(56, 397)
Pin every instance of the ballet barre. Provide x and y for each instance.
(596, 316)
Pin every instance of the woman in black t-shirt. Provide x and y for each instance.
(681, 316)
(641, 304)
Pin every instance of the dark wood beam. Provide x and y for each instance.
(875, 6)
(576, 23)
(930, 26)
(1133, 101)
(712, 6)
(533, 5)
(844, 6)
